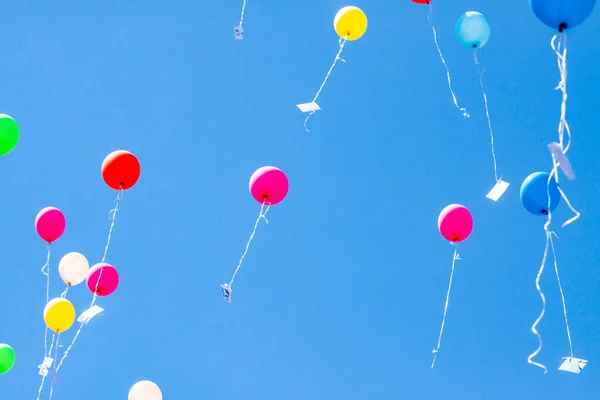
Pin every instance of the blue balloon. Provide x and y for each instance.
(562, 14)
(472, 30)
(534, 193)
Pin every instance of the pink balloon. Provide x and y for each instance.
(270, 184)
(108, 282)
(50, 224)
(455, 223)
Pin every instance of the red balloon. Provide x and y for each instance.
(120, 170)
(421, 1)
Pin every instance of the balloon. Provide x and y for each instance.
(59, 314)
(350, 23)
(73, 268)
(50, 224)
(421, 1)
(108, 282)
(7, 358)
(534, 193)
(120, 170)
(145, 390)
(562, 14)
(455, 223)
(268, 184)
(472, 30)
(9, 134)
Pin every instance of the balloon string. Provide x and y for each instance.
(436, 350)
(554, 174)
(242, 15)
(112, 215)
(337, 58)
(260, 215)
(53, 362)
(64, 294)
(487, 112)
(46, 354)
(46, 271)
(561, 57)
(549, 234)
(562, 295)
(539, 289)
(430, 18)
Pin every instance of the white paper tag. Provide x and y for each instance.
(46, 364)
(90, 313)
(498, 190)
(308, 107)
(238, 32)
(226, 292)
(572, 364)
(562, 159)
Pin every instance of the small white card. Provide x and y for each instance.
(562, 159)
(238, 32)
(572, 364)
(308, 107)
(226, 292)
(498, 190)
(90, 313)
(46, 364)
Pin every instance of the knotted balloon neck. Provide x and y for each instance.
(562, 27)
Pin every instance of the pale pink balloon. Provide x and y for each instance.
(455, 223)
(50, 224)
(108, 281)
(269, 184)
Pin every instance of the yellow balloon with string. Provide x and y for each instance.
(59, 314)
(350, 23)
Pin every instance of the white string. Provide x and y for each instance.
(561, 58)
(539, 289)
(549, 233)
(46, 354)
(112, 215)
(487, 112)
(53, 362)
(430, 18)
(562, 295)
(260, 215)
(242, 16)
(46, 271)
(436, 350)
(337, 58)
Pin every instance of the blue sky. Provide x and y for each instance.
(341, 295)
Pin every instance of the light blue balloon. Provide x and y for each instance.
(562, 14)
(472, 30)
(534, 193)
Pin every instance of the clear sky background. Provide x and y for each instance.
(341, 294)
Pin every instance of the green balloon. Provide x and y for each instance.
(9, 134)
(7, 358)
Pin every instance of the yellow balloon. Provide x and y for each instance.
(350, 23)
(59, 314)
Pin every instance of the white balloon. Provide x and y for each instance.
(73, 268)
(145, 390)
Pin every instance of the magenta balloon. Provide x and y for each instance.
(270, 184)
(50, 224)
(455, 223)
(108, 281)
